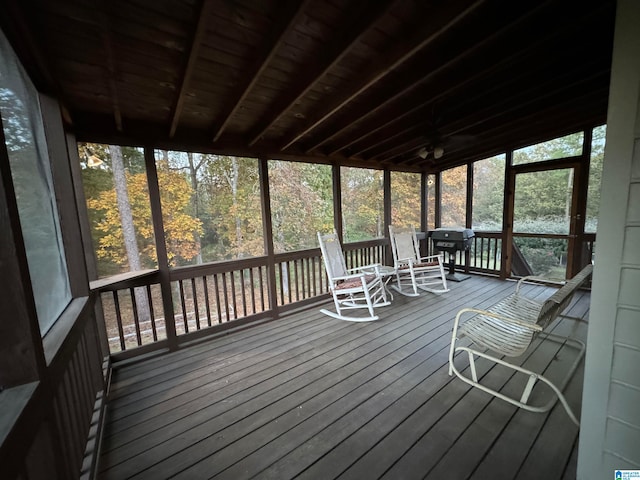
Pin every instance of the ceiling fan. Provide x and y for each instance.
(437, 151)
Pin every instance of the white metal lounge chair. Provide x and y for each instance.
(351, 289)
(508, 328)
(414, 272)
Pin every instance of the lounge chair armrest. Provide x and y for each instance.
(536, 279)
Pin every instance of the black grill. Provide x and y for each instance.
(451, 240)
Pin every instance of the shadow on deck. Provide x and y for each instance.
(313, 397)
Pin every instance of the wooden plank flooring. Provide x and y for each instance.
(311, 397)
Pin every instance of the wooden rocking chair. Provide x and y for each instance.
(414, 272)
(351, 289)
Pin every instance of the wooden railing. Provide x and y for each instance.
(79, 394)
(56, 424)
(485, 252)
(218, 295)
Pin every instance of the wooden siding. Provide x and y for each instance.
(308, 396)
(609, 440)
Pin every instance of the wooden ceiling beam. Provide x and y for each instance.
(112, 73)
(500, 105)
(441, 22)
(420, 126)
(201, 18)
(504, 140)
(506, 63)
(365, 14)
(525, 127)
(473, 48)
(287, 17)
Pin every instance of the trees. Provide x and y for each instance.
(405, 199)
(454, 197)
(362, 203)
(301, 203)
(120, 212)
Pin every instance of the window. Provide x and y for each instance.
(115, 186)
(210, 207)
(595, 178)
(431, 202)
(301, 203)
(454, 197)
(405, 199)
(567, 146)
(362, 203)
(33, 184)
(542, 201)
(488, 192)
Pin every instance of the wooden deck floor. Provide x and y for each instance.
(312, 397)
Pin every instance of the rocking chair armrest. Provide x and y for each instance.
(531, 326)
(373, 267)
(430, 257)
(349, 277)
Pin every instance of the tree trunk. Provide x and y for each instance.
(235, 173)
(193, 175)
(128, 229)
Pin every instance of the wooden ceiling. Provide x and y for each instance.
(357, 82)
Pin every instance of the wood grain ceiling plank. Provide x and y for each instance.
(203, 11)
(474, 48)
(332, 55)
(513, 62)
(111, 73)
(288, 16)
(441, 22)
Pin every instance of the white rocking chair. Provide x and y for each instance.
(414, 272)
(351, 289)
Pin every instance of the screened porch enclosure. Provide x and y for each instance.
(165, 167)
(240, 233)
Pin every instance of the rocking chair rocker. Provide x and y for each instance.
(353, 288)
(414, 272)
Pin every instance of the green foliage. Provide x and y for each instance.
(405, 199)
(362, 203)
(488, 191)
(301, 203)
(454, 197)
(567, 146)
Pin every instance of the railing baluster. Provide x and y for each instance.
(244, 294)
(152, 316)
(253, 290)
(226, 296)
(261, 287)
(136, 318)
(281, 268)
(195, 302)
(296, 279)
(215, 282)
(184, 307)
(207, 306)
(116, 305)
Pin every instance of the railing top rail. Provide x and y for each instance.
(366, 243)
(225, 266)
(125, 280)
